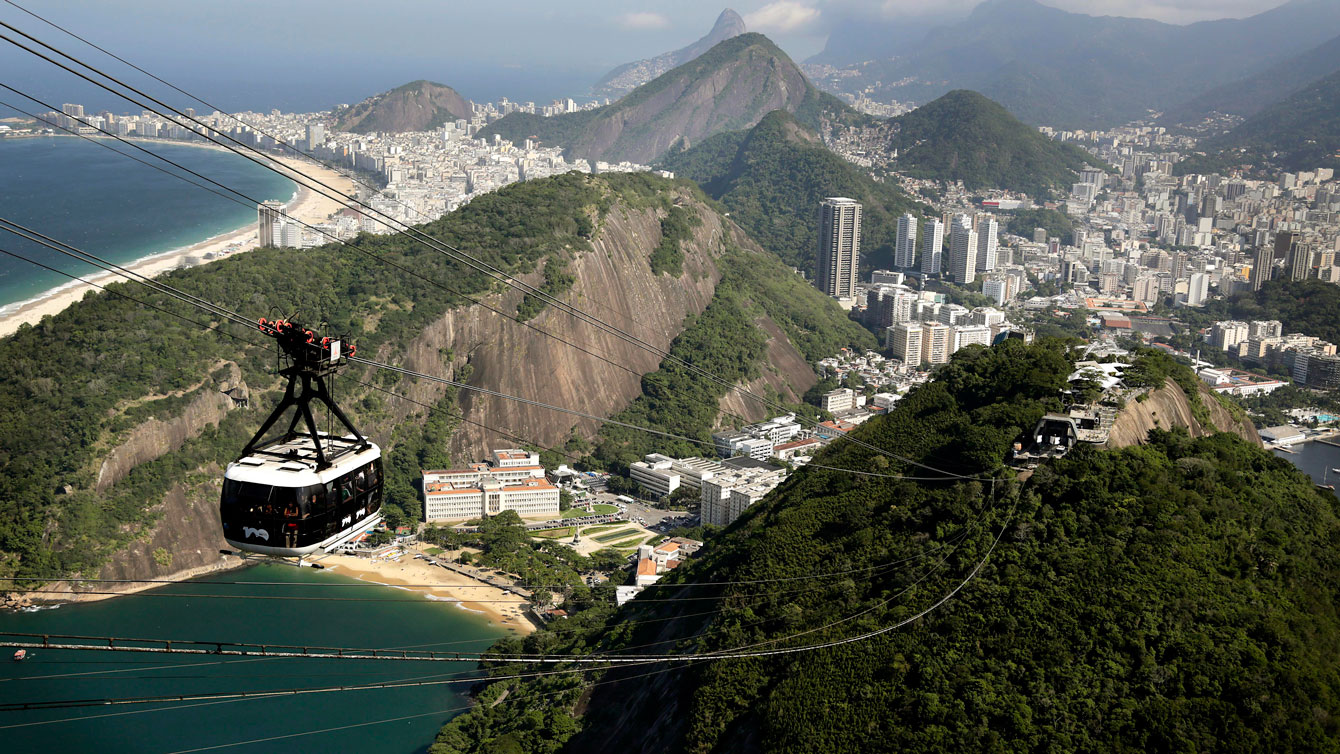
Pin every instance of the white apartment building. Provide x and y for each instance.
(962, 251)
(661, 475)
(841, 399)
(905, 340)
(932, 247)
(511, 479)
(905, 247)
(935, 343)
(970, 335)
(726, 496)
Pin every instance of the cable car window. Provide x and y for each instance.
(248, 497)
(312, 500)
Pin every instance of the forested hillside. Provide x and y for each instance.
(1178, 595)
(964, 136)
(81, 384)
(1306, 306)
(772, 179)
(416, 106)
(1299, 132)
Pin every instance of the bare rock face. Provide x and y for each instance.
(155, 437)
(1169, 407)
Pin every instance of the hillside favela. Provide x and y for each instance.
(807, 376)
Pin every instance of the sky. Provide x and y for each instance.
(312, 54)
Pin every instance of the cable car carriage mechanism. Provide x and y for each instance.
(305, 489)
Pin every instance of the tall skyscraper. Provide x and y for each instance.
(839, 246)
(905, 247)
(1197, 289)
(1299, 261)
(316, 135)
(988, 231)
(962, 251)
(932, 247)
(1265, 258)
(268, 215)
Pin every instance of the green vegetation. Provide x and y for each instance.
(75, 384)
(1176, 596)
(557, 281)
(1306, 306)
(964, 136)
(1056, 223)
(725, 342)
(772, 179)
(416, 106)
(612, 536)
(728, 88)
(1301, 131)
(676, 228)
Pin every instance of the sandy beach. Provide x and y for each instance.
(502, 608)
(308, 206)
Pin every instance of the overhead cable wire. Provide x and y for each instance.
(433, 243)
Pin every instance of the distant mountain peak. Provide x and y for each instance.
(420, 105)
(629, 76)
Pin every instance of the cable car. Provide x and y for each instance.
(305, 489)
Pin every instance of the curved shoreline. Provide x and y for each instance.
(305, 205)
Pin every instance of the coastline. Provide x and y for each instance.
(306, 205)
(503, 609)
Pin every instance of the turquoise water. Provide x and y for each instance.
(392, 618)
(78, 192)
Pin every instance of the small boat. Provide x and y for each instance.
(19, 655)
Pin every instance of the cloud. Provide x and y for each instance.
(782, 17)
(643, 21)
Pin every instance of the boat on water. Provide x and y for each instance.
(20, 654)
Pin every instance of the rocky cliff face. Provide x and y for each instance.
(416, 106)
(156, 437)
(616, 284)
(1169, 407)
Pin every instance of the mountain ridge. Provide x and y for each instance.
(730, 87)
(420, 105)
(627, 77)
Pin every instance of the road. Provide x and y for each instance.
(650, 516)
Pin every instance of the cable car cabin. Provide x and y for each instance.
(278, 502)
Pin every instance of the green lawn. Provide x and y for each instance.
(634, 542)
(560, 533)
(602, 509)
(611, 536)
(435, 551)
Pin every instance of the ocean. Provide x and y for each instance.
(81, 193)
(1316, 459)
(391, 618)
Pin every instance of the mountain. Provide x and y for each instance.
(111, 443)
(416, 106)
(730, 87)
(1072, 70)
(1177, 595)
(1300, 132)
(772, 179)
(1248, 96)
(629, 76)
(964, 136)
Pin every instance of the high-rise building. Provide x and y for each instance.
(839, 246)
(1261, 265)
(905, 247)
(1300, 261)
(1198, 289)
(962, 251)
(268, 215)
(988, 231)
(932, 247)
(905, 340)
(316, 135)
(935, 342)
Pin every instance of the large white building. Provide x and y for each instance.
(935, 343)
(905, 246)
(932, 247)
(962, 251)
(988, 231)
(726, 496)
(511, 480)
(839, 254)
(841, 399)
(905, 340)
